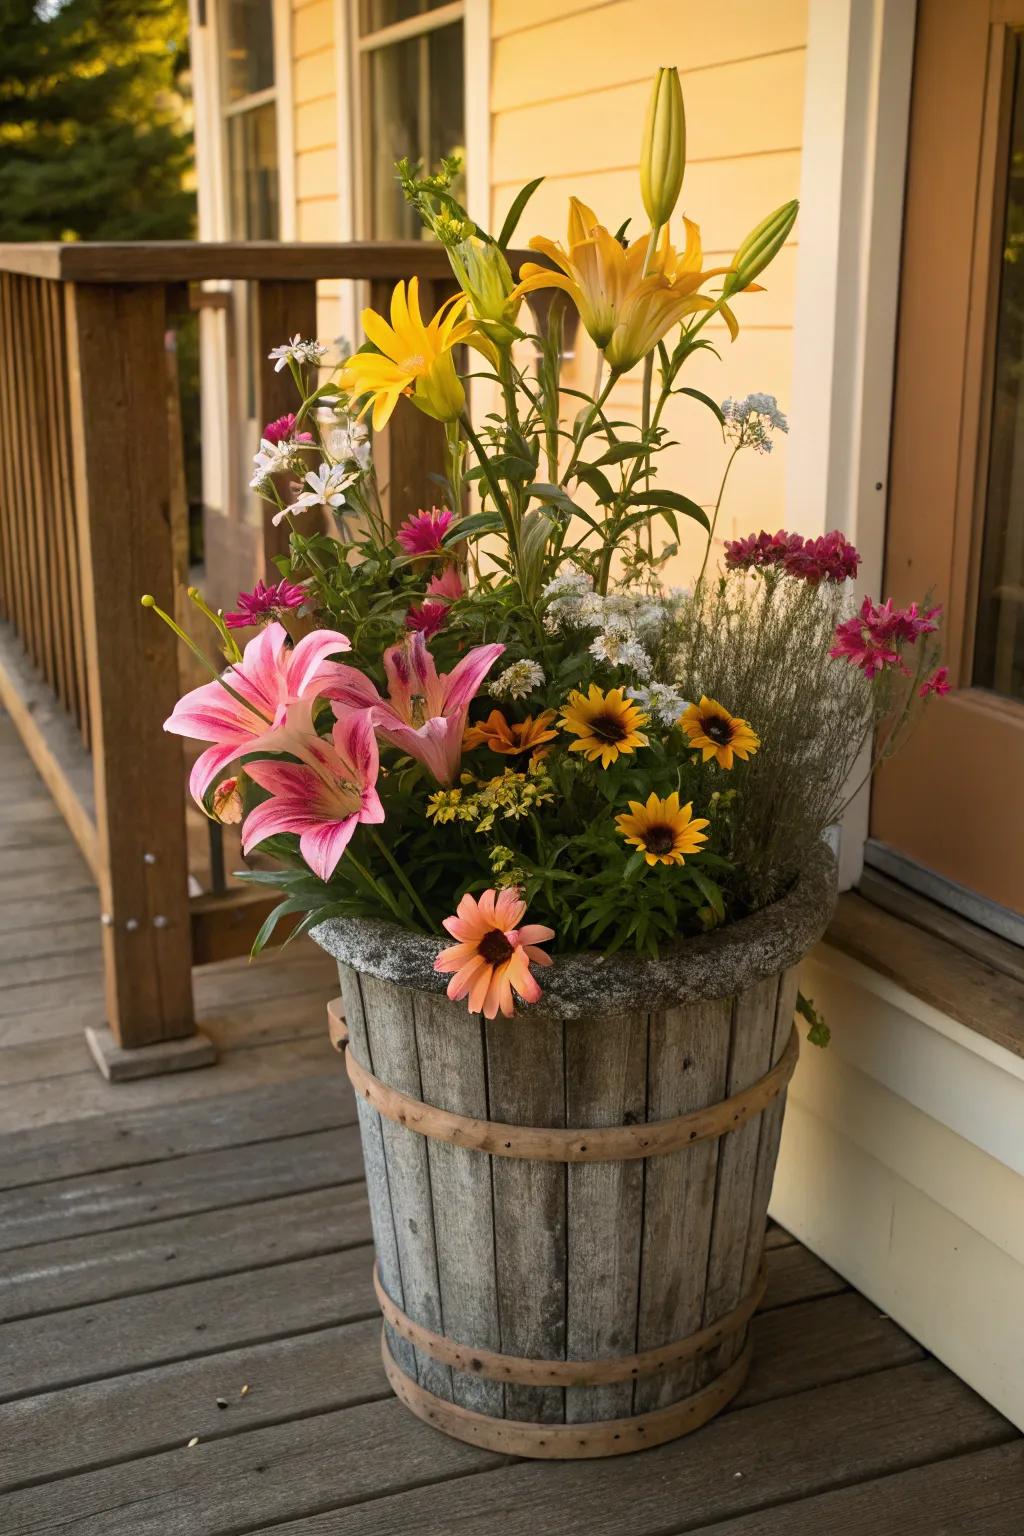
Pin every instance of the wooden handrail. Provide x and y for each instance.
(90, 498)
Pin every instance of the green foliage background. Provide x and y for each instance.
(93, 142)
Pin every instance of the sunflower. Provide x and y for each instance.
(663, 830)
(512, 737)
(717, 733)
(606, 724)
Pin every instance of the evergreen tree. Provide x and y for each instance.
(92, 140)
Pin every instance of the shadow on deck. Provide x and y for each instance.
(187, 1259)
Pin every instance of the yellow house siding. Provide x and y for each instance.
(315, 98)
(569, 87)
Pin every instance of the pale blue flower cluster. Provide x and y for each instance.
(750, 422)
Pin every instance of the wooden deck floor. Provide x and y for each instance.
(166, 1244)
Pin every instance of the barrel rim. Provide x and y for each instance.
(589, 984)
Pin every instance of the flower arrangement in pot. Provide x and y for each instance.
(562, 827)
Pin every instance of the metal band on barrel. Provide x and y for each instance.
(524, 1371)
(605, 1145)
(603, 1437)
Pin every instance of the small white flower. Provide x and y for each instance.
(327, 487)
(570, 581)
(350, 443)
(273, 459)
(517, 681)
(298, 351)
(661, 701)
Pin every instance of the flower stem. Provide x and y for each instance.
(403, 879)
(149, 602)
(714, 517)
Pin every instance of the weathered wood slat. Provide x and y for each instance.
(750, 1056)
(390, 1026)
(605, 1085)
(876, 1425)
(687, 1066)
(235, 1240)
(163, 1132)
(453, 1076)
(184, 1186)
(385, 1238)
(526, 1086)
(181, 1322)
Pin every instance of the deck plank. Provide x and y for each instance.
(374, 1470)
(153, 1410)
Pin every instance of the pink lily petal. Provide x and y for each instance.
(310, 671)
(323, 846)
(463, 682)
(208, 767)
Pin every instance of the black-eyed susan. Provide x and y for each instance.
(718, 734)
(607, 724)
(663, 830)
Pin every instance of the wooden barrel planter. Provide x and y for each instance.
(569, 1207)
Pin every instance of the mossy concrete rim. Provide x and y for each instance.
(590, 985)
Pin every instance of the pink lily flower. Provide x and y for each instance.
(323, 798)
(424, 714)
(270, 676)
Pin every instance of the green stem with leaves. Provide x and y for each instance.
(714, 515)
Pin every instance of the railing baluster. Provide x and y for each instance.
(67, 512)
(8, 547)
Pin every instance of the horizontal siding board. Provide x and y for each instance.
(744, 108)
(313, 29)
(316, 125)
(630, 40)
(315, 76)
(316, 172)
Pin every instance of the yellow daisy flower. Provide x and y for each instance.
(607, 724)
(413, 357)
(718, 734)
(663, 830)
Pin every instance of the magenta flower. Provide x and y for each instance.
(830, 558)
(264, 602)
(270, 676)
(424, 714)
(323, 798)
(422, 533)
(280, 431)
(871, 640)
(448, 585)
(938, 683)
(426, 618)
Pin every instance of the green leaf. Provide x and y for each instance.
(599, 484)
(672, 501)
(819, 1033)
(473, 527)
(515, 213)
(619, 452)
(711, 892)
(696, 394)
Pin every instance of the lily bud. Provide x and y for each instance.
(663, 155)
(760, 247)
(485, 275)
(439, 392)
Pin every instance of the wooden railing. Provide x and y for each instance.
(90, 518)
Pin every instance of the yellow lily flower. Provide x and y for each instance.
(625, 312)
(413, 358)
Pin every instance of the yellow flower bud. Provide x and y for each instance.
(485, 275)
(761, 246)
(438, 392)
(663, 156)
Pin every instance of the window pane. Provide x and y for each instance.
(252, 173)
(249, 47)
(415, 109)
(999, 648)
(374, 14)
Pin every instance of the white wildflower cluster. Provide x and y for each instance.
(661, 701)
(274, 459)
(517, 681)
(297, 351)
(619, 646)
(349, 442)
(750, 422)
(326, 487)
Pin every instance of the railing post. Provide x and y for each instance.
(122, 481)
(281, 309)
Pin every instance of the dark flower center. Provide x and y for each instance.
(717, 730)
(494, 947)
(607, 728)
(659, 839)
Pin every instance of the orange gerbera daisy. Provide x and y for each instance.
(492, 956)
(718, 734)
(512, 737)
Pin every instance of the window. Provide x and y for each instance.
(249, 98)
(949, 805)
(411, 93)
